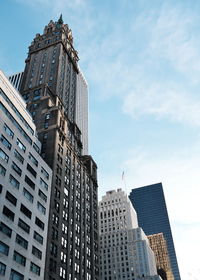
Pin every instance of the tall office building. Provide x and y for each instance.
(82, 110)
(124, 248)
(149, 203)
(49, 86)
(25, 187)
(159, 246)
(16, 80)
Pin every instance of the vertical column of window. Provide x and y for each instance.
(32, 72)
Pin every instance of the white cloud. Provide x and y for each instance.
(163, 100)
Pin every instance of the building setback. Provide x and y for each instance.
(159, 246)
(49, 86)
(25, 187)
(124, 248)
(149, 203)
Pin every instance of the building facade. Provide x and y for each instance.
(124, 249)
(49, 86)
(149, 203)
(16, 80)
(82, 110)
(25, 187)
(159, 246)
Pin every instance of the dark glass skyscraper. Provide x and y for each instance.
(149, 203)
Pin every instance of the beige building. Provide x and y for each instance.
(159, 246)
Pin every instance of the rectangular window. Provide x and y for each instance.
(41, 208)
(31, 170)
(28, 195)
(19, 258)
(11, 198)
(29, 182)
(39, 223)
(4, 156)
(24, 226)
(14, 182)
(21, 241)
(2, 268)
(4, 249)
(19, 157)
(21, 145)
(5, 229)
(33, 159)
(38, 237)
(43, 184)
(16, 111)
(45, 173)
(16, 168)
(8, 130)
(36, 148)
(36, 252)
(35, 268)
(5, 142)
(14, 275)
(2, 170)
(42, 195)
(8, 213)
(25, 210)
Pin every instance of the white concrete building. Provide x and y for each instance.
(81, 117)
(124, 248)
(25, 186)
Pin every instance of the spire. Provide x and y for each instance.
(60, 21)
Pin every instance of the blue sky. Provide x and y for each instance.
(141, 59)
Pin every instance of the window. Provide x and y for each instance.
(20, 145)
(35, 268)
(25, 210)
(2, 170)
(19, 157)
(28, 195)
(14, 275)
(4, 249)
(5, 142)
(16, 168)
(36, 148)
(43, 184)
(29, 182)
(45, 173)
(38, 237)
(1, 188)
(14, 182)
(39, 223)
(8, 213)
(2, 268)
(42, 195)
(31, 170)
(8, 130)
(33, 159)
(5, 229)
(24, 226)
(19, 258)
(21, 241)
(41, 208)
(4, 156)
(36, 252)
(11, 198)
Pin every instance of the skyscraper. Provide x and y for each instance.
(49, 86)
(159, 246)
(124, 248)
(149, 203)
(25, 187)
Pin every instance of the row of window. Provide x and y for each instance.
(14, 275)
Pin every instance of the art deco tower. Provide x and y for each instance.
(49, 88)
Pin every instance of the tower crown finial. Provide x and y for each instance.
(60, 21)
